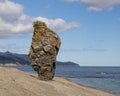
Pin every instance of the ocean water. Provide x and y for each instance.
(103, 78)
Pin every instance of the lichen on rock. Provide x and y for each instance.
(43, 51)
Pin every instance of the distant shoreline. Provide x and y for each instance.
(9, 64)
(12, 64)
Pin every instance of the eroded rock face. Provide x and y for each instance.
(44, 49)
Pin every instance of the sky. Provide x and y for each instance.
(89, 29)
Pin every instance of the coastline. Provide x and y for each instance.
(19, 83)
(9, 65)
(88, 86)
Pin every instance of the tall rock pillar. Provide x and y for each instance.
(43, 51)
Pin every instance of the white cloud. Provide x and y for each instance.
(10, 8)
(58, 24)
(14, 22)
(94, 9)
(98, 5)
(1, 50)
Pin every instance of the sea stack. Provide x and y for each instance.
(43, 51)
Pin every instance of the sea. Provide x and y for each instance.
(102, 78)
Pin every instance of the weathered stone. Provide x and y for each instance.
(44, 49)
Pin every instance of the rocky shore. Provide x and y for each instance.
(14, 82)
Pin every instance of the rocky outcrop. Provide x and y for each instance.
(44, 49)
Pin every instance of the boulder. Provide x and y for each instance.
(43, 51)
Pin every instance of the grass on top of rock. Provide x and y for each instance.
(39, 24)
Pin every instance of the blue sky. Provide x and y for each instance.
(89, 29)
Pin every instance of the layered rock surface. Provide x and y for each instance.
(44, 49)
